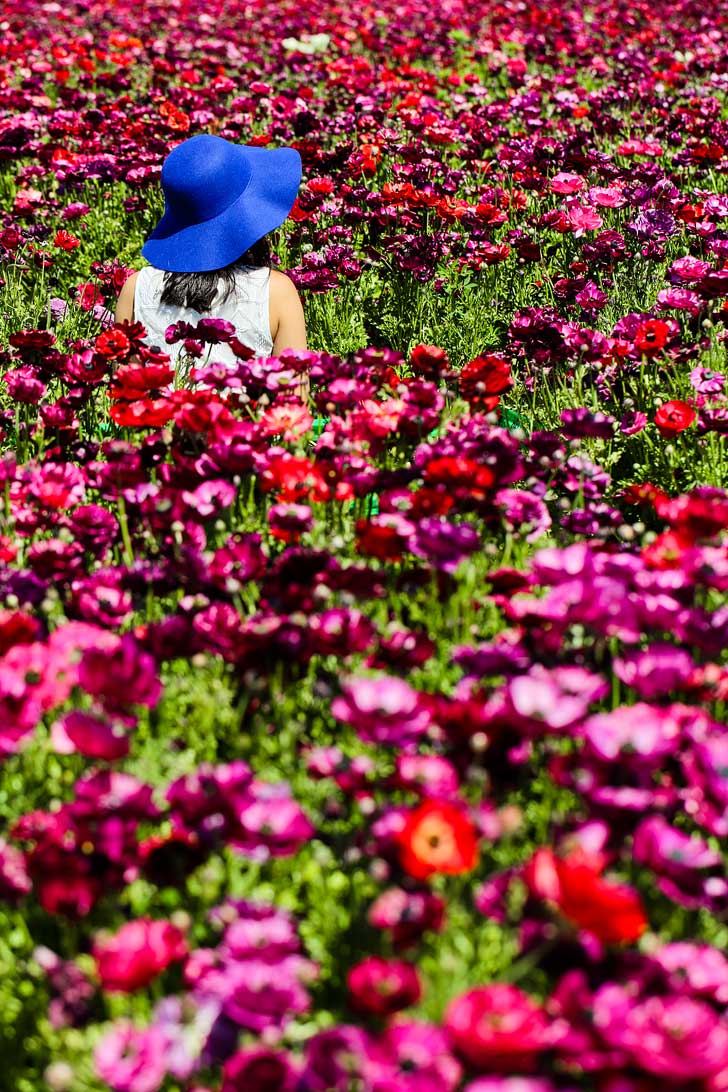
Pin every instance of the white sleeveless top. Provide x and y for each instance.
(246, 307)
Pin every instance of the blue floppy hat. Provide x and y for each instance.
(219, 199)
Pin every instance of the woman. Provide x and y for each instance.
(209, 255)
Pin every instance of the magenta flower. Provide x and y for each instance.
(695, 969)
(646, 732)
(382, 709)
(674, 1037)
(120, 677)
(259, 1069)
(336, 1057)
(89, 735)
(422, 1056)
(705, 381)
(381, 987)
(655, 671)
(498, 1028)
(687, 869)
(524, 513)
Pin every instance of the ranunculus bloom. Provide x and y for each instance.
(137, 953)
(673, 1037)
(259, 1070)
(382, 709)
(674, 417)
(132, 1059)
(651, 336)
(379, 987)
(498, 1028)
(438, 837)
(612, 912)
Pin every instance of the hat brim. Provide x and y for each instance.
(264, 204)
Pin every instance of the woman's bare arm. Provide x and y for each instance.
(287, 322)
(125, 303)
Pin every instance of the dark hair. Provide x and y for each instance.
(198, 290)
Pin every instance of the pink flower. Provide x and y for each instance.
(706, 381)
(382, 709)
(421, 1055)
(583, 218)
(564, 182)
(608, 197)
(132, 1059)
(695, 969)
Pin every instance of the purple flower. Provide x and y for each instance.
(442, 543)
(581, 422)
(58, 309)
(651, 222)
(258, 995)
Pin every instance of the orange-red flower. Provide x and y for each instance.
(612, 912)
(65, 241)
(674, 417)
(438, 837)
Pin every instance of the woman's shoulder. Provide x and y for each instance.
(281, 284)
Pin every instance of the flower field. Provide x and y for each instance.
(375, 744)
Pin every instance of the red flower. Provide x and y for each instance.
(88, 295)
(143, 414)
(137, 954)
(459, 473)
(612, 912)
(133, 381)
(295, 477)
(429, 361)
(483, 380)
(651, 336)
(65, 241)
(385, 536)
(643, 493)
(438, 837)
(30, 341)
(112, 344)
(674, 417)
